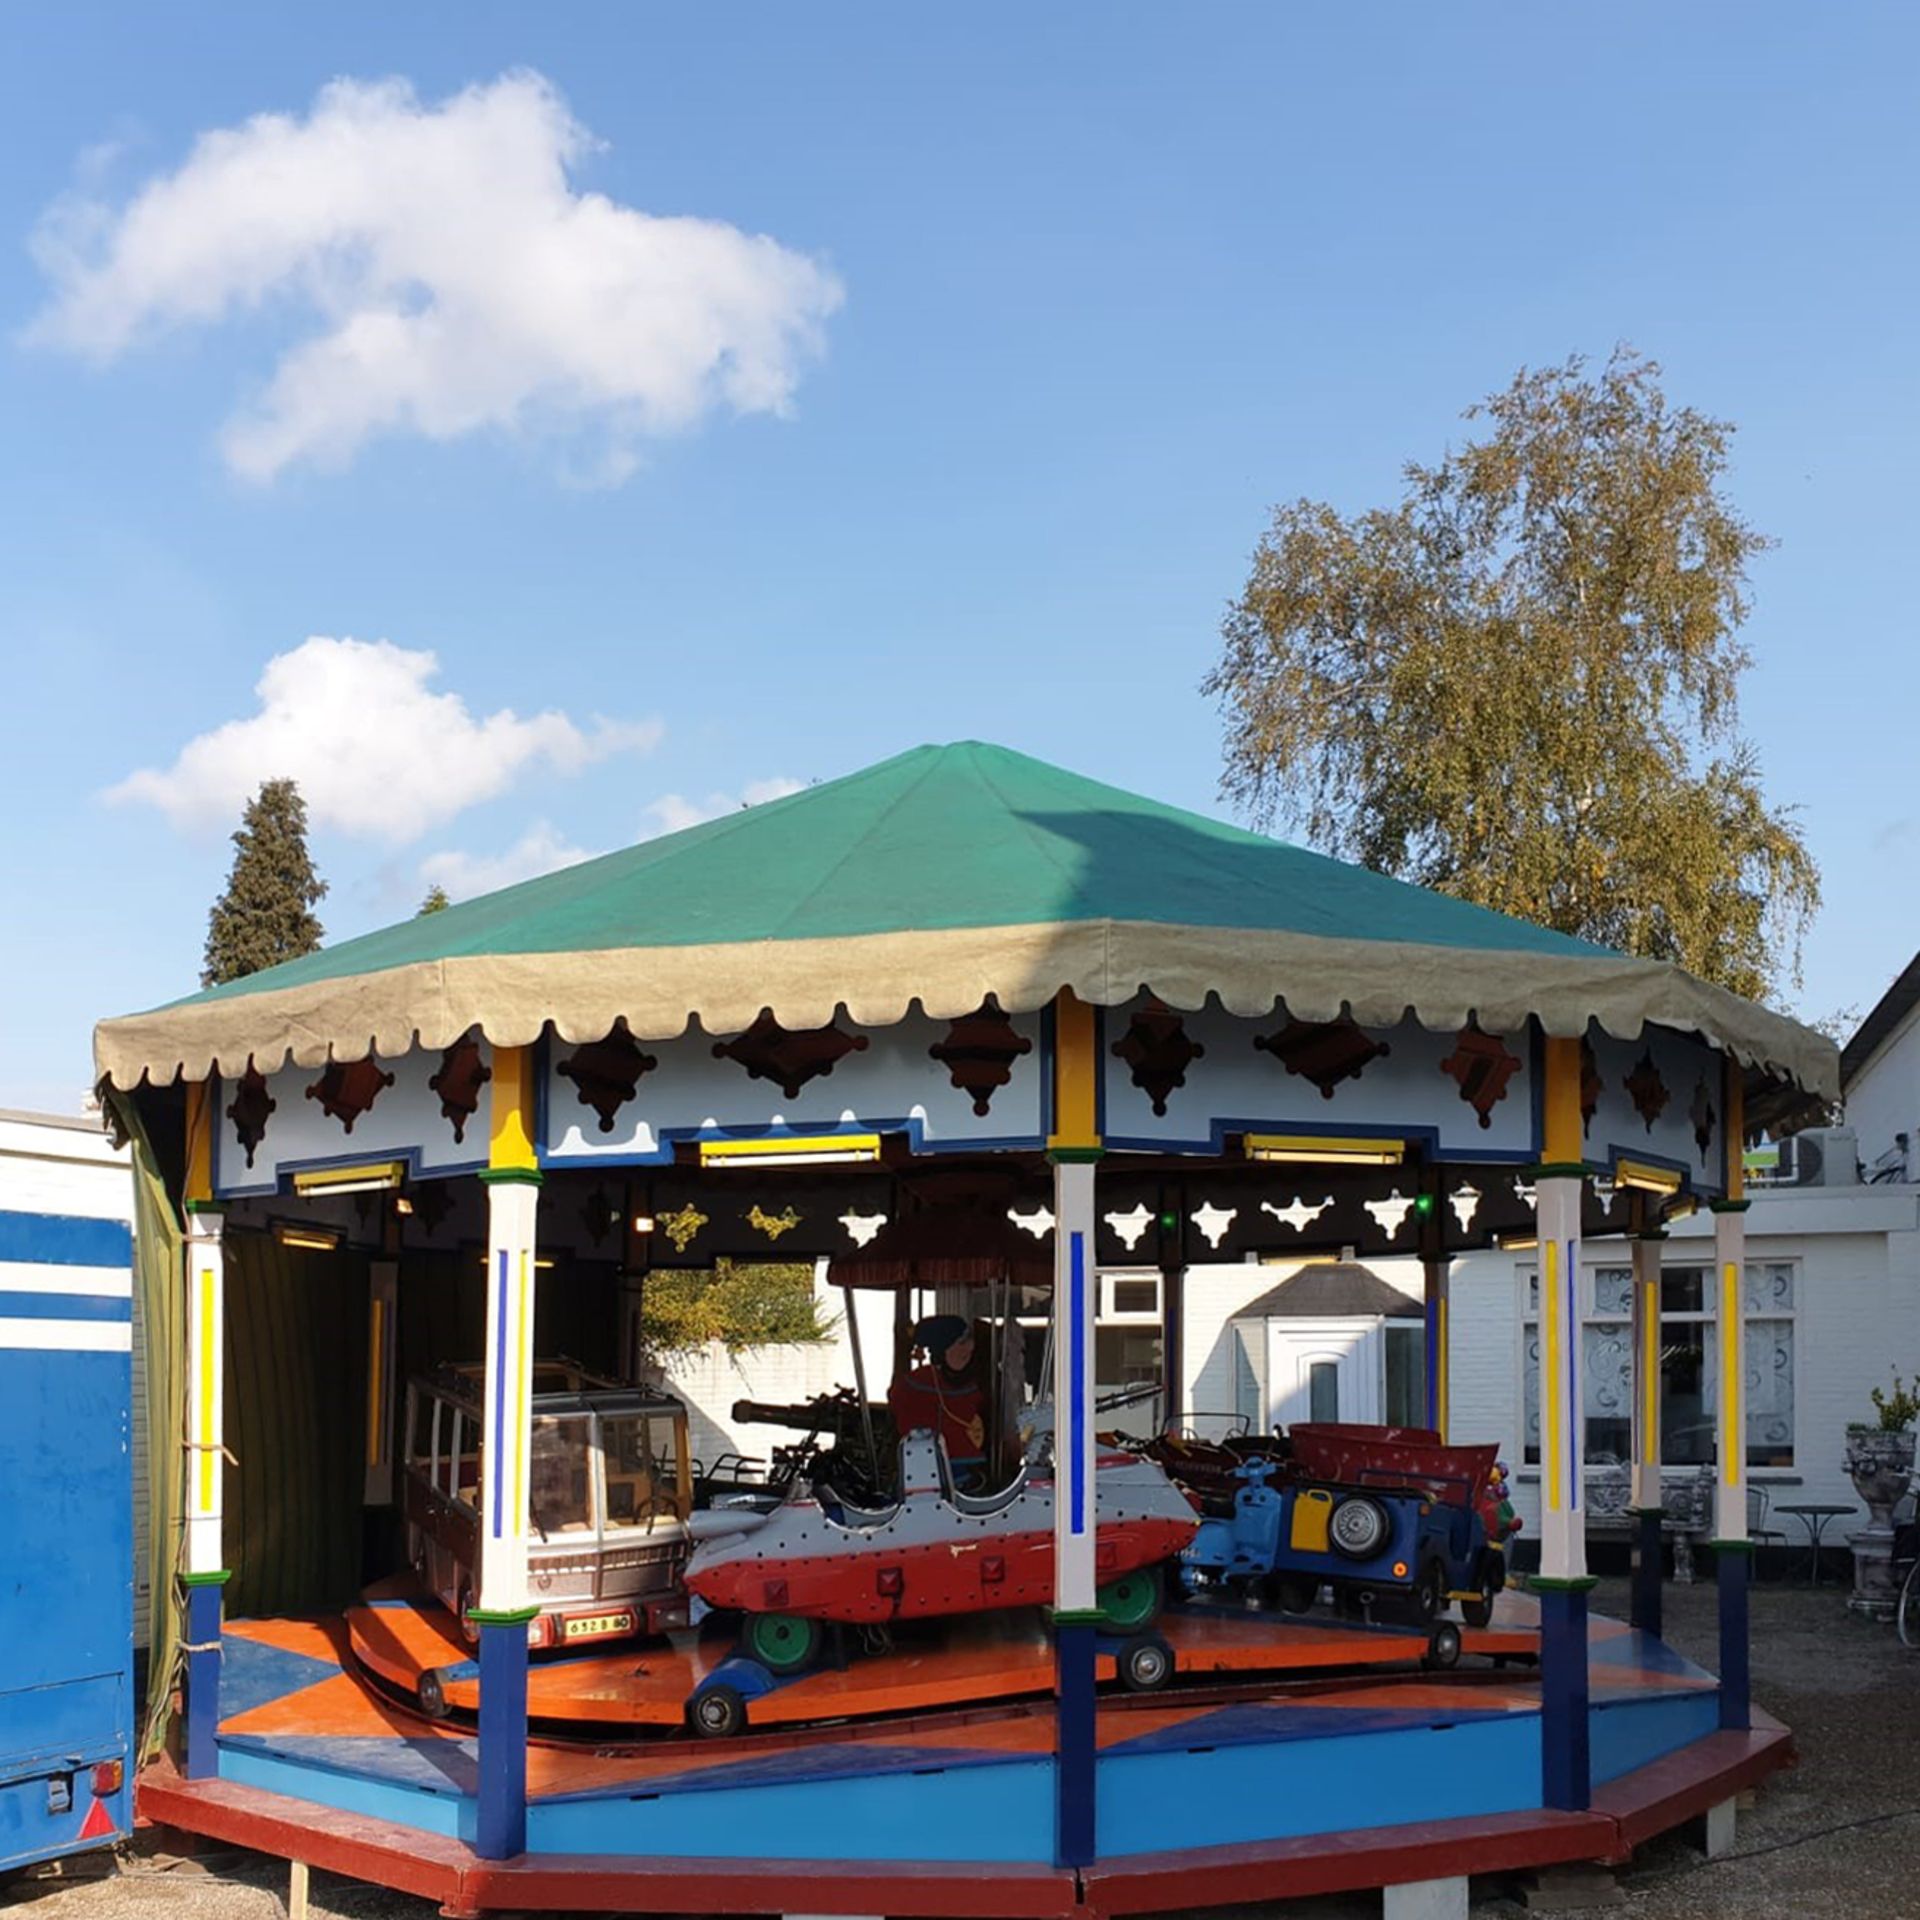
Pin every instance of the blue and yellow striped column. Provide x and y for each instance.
(1733, 1547)
(204, 1574)
(1562, 1582)
(1648, 1501)
(513, 1190)
(1074, 1147)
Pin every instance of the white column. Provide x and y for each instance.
(1646, 1370)
(1073, 1411)
(1730, 1479)
(1563, 1521)
(507, 1413)
(206, 1389)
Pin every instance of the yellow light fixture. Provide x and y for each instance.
(402, 1205)
(1683, 1208)
(1340, 1150)
(792, 1150)
(309, 1239)
(1647, 1179)
(377, 1177)
(643, 1223)
(1517, 1242)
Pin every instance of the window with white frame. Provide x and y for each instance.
(1689, 1346)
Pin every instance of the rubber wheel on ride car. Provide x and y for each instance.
(1145, 1663)
(1430, 1593)
(780, 1642)
(1443, 1646)
(1130, 1601)
(718, 1712)
(1478, 1612)
(1359, 1528)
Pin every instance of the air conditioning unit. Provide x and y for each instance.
(1820, 1157)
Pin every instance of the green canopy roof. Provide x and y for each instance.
(941, 875)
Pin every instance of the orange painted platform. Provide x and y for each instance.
(397, 1635)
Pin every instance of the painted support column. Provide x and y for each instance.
(204, 1574)
(1563, 1582)
(513, 1190)
(383, 1320)
(1074, 1148)
(1648, 1502)
(1437, 1276)
(1733, 1548)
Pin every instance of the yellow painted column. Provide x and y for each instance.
(513, 1190)
(1648, 1244)
(1074, 1147)
(1729, 1261)
(206, 1343)
(1562, 1180)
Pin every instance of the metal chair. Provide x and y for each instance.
(1759, 1501)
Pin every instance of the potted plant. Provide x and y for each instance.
(1880, 1460)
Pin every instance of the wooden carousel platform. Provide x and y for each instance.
(401, 1637)
(1229, 1782)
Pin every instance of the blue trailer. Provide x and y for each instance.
(66, 1580)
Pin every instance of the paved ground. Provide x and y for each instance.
(1840, 1835)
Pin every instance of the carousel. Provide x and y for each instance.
(450, 1603)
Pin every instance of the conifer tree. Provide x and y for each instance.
(265, 915)
(435, 902)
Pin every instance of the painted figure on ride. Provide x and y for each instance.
(944, 1397)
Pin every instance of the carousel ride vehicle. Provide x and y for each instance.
(936, 1551)
(610, 1498)
(1388, 1519)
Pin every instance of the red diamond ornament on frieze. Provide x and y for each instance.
(1157, 1050)
(1482, 1065)
(979, 1051)
(1647, 1090)
(607, 1073)
(1324, 1051)
(462, 1074)
(346, 1091)
(250, 1109)
(769, 1051)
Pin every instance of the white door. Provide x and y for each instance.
(1326, 1370)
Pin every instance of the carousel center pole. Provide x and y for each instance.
(513, 1190)
(204, 1577)
(1074, 1149)
(1649, 1501)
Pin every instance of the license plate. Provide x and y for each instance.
(590, 1624)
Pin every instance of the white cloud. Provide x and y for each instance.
(459, 279)
(376, 751)
(673, 811)
(541, 849)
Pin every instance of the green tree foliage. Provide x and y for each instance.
(266, 913)
(740, 1304)
(1519, 685)
(435, 902)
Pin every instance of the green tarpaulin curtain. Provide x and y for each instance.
(159, 1278)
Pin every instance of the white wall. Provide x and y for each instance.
(1214, 1294)
(1884, 1098)
(711, 1380)
(1857, 1251)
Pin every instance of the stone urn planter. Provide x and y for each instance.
(1881, 1465)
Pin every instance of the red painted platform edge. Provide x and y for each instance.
(1322, 1863)
(435, 1868)
(1682, 1786)
(1626, 1812)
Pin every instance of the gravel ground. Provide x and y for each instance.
(1838, 1835)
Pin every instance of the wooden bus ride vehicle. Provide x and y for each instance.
(609, 1501)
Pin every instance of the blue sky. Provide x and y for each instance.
(1059, 302)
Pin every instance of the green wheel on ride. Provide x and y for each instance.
(780, 1642)
(1130, 1601)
